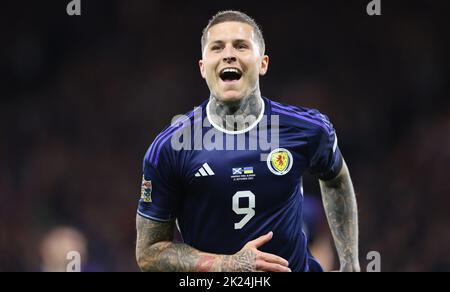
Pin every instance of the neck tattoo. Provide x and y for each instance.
(236, 116)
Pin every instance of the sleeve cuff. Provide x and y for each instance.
(335, 168)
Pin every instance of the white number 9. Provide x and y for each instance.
(248, 212)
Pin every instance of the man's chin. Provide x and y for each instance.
(231, 97)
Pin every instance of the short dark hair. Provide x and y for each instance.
(238, 16)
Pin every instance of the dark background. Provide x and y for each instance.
(83, 97)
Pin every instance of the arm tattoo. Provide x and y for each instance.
(341, 209)
(243, 261)
(155, 252)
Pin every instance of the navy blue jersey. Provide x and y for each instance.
(224, 197)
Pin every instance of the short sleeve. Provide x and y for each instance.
(326, 162)
(160, 191)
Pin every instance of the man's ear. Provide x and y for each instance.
(264, 65)
(202, 68)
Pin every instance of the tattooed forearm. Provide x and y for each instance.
(155, 252)
(243, 261)
(341, 209)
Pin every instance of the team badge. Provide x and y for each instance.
(146, 190)
(280, 161)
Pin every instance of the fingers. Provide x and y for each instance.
(271, 258)
(260, 241)
(267, 262)
(270, 267)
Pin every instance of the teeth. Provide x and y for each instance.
(231, 70)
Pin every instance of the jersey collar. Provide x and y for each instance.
(219, 128)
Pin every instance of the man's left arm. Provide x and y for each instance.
(342, 213)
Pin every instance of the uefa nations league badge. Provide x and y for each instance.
(146, 190)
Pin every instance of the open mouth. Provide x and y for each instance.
(230, 74)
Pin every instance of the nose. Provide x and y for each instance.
(229, 59)
(229, 56)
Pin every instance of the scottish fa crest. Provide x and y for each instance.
(280, 161)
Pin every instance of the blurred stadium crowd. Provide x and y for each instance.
(83, 97)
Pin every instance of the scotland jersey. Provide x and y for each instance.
(228, 188)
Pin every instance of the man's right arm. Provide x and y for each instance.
(155, 252)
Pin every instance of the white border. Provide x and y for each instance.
(241, 131)
(269, 162)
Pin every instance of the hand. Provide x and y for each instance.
(250, 259)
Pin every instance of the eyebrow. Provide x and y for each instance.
(234, 41)
(216, 42)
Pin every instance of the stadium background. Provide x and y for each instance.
(83, 97)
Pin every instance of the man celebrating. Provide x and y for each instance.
(234, 211)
